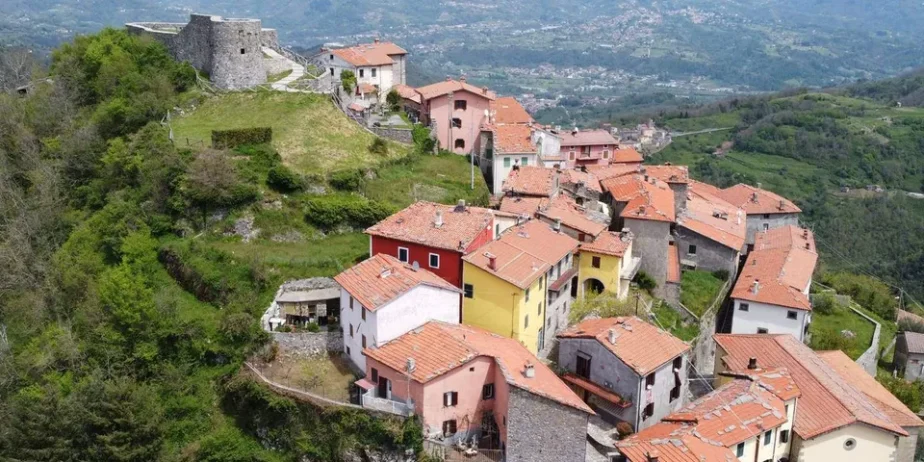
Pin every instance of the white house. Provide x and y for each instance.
(380, 65)
(383, 298)
(771, 295)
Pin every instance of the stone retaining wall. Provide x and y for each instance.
(401, 135)
(309, 344)
(870, 358)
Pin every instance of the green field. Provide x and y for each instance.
(670, 319)
(310, 133)
(444, 178)
(698, 290)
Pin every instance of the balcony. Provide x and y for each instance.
(370, 401)
(631, 269)
(559, 283)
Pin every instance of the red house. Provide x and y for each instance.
(434, 236)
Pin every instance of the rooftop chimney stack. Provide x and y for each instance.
(462, 78)
(613, 335)
(492, 261)
(760, 185)
(782, 204)
(438, 222)
(808, 246)
(754, 197)
(557, 225)
(652, 455)
(376, 40)
(755, 286)
(529, 371)
(752, 363)
(460, 206)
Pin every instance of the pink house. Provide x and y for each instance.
(589, 147)
(458, 110)
(469, 384)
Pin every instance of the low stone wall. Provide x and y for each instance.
(275, 66)
(870, 358)
(401, 135)
(309, 344)
(703, 347)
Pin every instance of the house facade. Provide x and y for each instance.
(383, 298)
(574, 220)
(468, 384)
(607, 264)
(587, 147)
(765, 210)
(434, 236)
(379, 66)
(771, 293)
(626, 369)
(457, 110)
(519, 286)
(909, 355)
(710, 233)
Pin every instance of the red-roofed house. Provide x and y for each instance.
(587, 147)
(837, 416)
(749, 419)
(765, 210)
(380, 65)
(383, 298)
(458, 109)
(638, 363)
(710, 233)
(434, 236)
(468, 383)
(771, 294)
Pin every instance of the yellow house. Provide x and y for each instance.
(507, 283)
(607, 264)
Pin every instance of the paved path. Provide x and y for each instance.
(700, 132)
(297, 72)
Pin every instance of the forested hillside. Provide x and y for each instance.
(823, 150)
(125, 311)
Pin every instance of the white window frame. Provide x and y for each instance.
(407, 253)
(430, 260)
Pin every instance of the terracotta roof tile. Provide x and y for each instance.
(367, 88)
(507, 110)
(604, 172)
(407, 92)
(520, 205)
(438, 348)
(573, 216)
(756, 201)
(370, 54)
(532, 181)
(828, 401)
(587, 138)
(417, 224)
(669, 173)
(575, 176)
(673, 264)
(851, 372)
(627, 156)
(378, 280)
(639, 345)
(781, 265)
(672, 442)
(646, 200)
(441, 88)
(714, 219)
(609, 243)
(513, 139)
(524, 253)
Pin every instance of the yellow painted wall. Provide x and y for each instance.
(501, 307)
(871, 444)
(607, 273)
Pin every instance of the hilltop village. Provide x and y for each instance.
(528, 330)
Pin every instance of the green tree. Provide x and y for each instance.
(348, 80)
(393, 99)
(122, 420)
(213, 182)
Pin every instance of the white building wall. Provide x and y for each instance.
(771, 317)
(871, 444)
(409, 311)
(501, 172)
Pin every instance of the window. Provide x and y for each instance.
(506, 162)
(582, 237)
(524, 161)
(606, 154)
(675, 393)
(373, 71)
(527, 294)
(403, 254)
(449, 427)
(487, 391)
(364, 341)
(743, 307)
(331, 72)
(762, 330)
(375, 375)
(766, 226)
(469, 290)
(526, 322)
(583, 365)
(364, 314)
(595, 262)
(361, 72)
(456, 123)
(784, 436)
(768, 437)
(571, 155)
(348, 351)
(787, 410)
(351, 302)
(460, 143)
(792, 315)
(450, 398)
(434, 261)
(650, 381)
(850, 444)
(649, 411)
(331, 57)
(242, 51)
(460, 104)
(351, 331)
(739, 450)
(691, 249)
(766, 216)
(678, 363)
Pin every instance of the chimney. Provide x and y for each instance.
(448, 78)
(612, 336)
(386, 271)
(752, 363)
(754, 197)
(557, 225)
(462, 78)
(574, 131)
(641, 210)
(782, 204)
(376, 40)
(439, 219)
(484, 90)
(760, 185)
(492, 261)
(460, 206)
(652, 455)
(646, 178)
(808, 246)
(529, 370)
(755, 286)
(805, 233)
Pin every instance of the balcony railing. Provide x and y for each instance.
(630, 270)
(370, 401)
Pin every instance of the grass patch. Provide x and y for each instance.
(674, 323)
(279, 76)
(826, 332)
(698, 290)
(311, 135)
(328, 376)
(444, 178)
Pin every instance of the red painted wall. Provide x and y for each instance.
(450, 261)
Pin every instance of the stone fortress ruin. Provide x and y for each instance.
(229, 50)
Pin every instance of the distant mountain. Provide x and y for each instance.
(589, 48)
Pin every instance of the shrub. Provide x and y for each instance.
(225, 139)
(721, 274)
(645, 282)
(825, 303)
(625, 429)
(379, 146)
(833, 340)
(908, 393)
(284, 180)
(313, 327)
(348, 80)
(393, 99)
(346, 180)
(329, 212)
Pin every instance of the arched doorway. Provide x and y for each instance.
(593, 286)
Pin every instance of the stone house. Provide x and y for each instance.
(469, 384)
(844, 414)
(378, 66)
(302, 307)
(382, 298)
(583, 187)
(748, 419)
(909, 355)
(457, 110)
(710, 233)
(771, 293)
(626, 369)
(765, 210)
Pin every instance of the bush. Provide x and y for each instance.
(348, 80)
(346, 180)
(329, 212)
(379, 146)
(832, 340)
(645, 282)
(393, 99)
(313, 327)
(908, 393)
(284, 180)
(826, 303)
(225, 139)
(625, 429)
(866, 291)
(721, 274)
